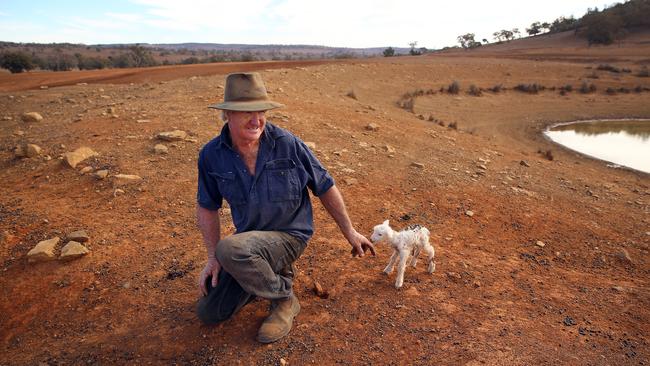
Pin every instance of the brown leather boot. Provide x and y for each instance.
(278, 324)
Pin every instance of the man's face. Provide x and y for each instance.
(246, 127)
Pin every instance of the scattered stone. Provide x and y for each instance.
(32, 150)
(160, 149)
(43, 251)
(350, 181)
(540, 244)
(618, 289)
(319, 291)
(372, 127)
(417, 165)
(31, 117)
(568, 321)
(524, 163)
(469, 213)
(311, 145)
(73, 250)
(110, 110)
(101, 174)
(86, 169)
(481, 166)
(79, 236)
(7, 118)
(143, 120)
(75, 157)
(117, 192)
(176, 135)
(624, 256)
(454, 276)
(125, 179)
(389, 149)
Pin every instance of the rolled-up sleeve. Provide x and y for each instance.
(319, 179)
(207, 194)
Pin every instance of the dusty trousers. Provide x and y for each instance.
(253, 264)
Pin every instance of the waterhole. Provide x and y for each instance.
(619, 142)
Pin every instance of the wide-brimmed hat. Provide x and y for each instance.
(245, 92)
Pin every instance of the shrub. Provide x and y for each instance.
(643, 73)
(351, 94)
(610, 91)
(389, 52)
(16, 62)
(567, 88)
(548, 154)
(453, 125)
(475, 91)
(497, 88)
(453, 88)
(593, 75)
(624, 90)
(530, 88)
(638, 89)
(610, 68)
(586, 88)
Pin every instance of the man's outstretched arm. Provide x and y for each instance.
(333, 203)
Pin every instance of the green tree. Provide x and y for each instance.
(413, 51)
(389, 52)
(534, 29)
(467, 41)
(16, 62)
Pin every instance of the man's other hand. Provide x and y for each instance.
(211, 269)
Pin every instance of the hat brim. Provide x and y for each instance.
(252, 106)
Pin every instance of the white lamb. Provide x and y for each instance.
(413, 239)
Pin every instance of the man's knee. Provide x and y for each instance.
(210, 316)
(231, 250)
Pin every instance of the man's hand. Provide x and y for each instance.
(212, 268)
(360, 244)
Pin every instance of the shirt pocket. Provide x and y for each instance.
(229, 187)
(282, 180)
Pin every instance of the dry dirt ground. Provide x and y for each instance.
(495, 298)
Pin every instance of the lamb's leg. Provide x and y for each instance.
(430, 254)
(401, 266)
(414, 259)
(391, 263)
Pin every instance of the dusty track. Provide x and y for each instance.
(495, 298)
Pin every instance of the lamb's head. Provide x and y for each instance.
(381, 232)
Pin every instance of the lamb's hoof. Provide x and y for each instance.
(432, 267)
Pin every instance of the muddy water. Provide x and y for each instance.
(621, 142)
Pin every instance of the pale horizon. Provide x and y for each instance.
(337, 23)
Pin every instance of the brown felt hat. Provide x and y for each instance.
(245, 92)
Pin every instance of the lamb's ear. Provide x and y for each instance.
(385, 223)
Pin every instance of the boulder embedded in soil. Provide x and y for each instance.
(31, 117)
(160, 149)
(73, 250)
(79, 236)
(75, 157)
(43, 251)
(176, 135)
(125, 179)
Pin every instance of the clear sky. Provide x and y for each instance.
(337, 23)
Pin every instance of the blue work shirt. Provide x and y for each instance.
(276, 197)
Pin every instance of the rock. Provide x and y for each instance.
(524, 163)
(101, 174)
(568, 321)
(481, 166)
(618, 289)
(469, 213)
(75, 157)
(79, 236)
(27, 151)
(126, 179)
(372, 127)
(417, 165)
(160, 149)
(350, 181)
(454, 276)
(32, 150)
(311, 145)
(117, 192)
(283, 362)
(389, 149)
(73, 250)
(86, 169)
(31, 117)
(319, 291)
(43, 251)
(110, 110)
(143, 121)
(540, 244)
(7, 118)
(624, 256)
(176, 135)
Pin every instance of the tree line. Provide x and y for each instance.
(598, 26)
